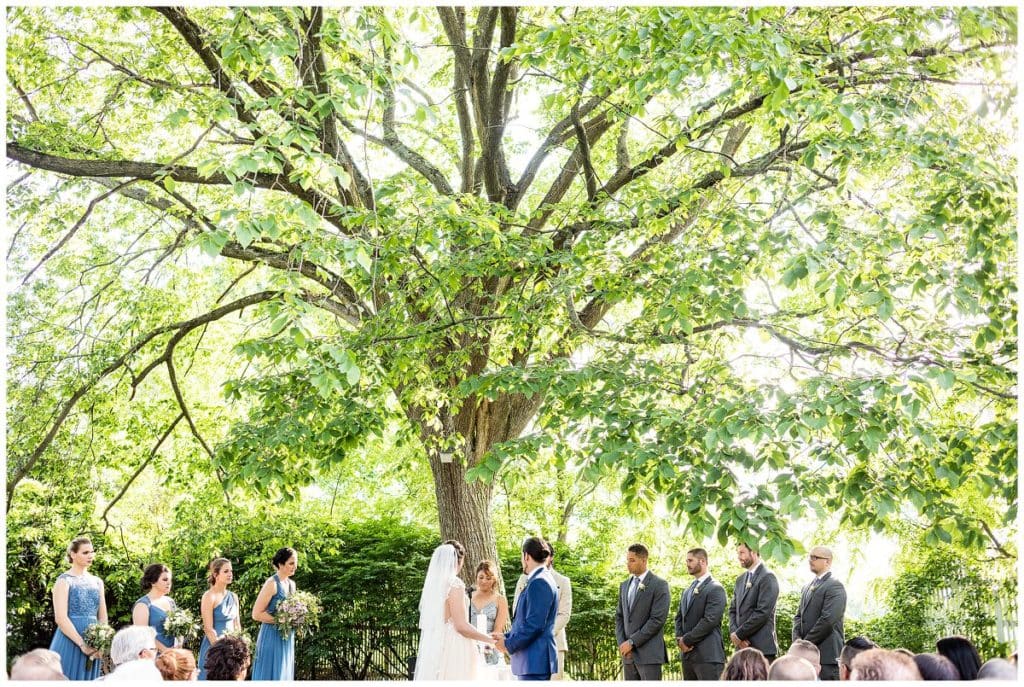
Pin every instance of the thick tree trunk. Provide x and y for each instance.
(463, 507)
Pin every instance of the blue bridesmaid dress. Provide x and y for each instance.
(224, 615)
(157, 616)
(275, 655)
(83, 610)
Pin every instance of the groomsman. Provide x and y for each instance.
(699, 621)
(564, 609)
(819, 619)
(640, 618)
(752, 611)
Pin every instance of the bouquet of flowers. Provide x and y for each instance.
(98, 636)
(300, 613)
(180, 623)
(241, 635)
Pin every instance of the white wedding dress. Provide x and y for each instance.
(444, 654)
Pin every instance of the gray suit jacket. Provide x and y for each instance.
(819, 619)
(752, 611)
(644, 623)
(700, 623)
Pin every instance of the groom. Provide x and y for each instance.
(531, 642)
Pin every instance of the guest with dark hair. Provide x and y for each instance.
(850, 651)
(228, 659)
(746, 664)
(936, 667)
(153, 607)
(962, 653)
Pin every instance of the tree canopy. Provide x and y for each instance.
(758, 261)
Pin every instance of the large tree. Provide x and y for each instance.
(755, 260)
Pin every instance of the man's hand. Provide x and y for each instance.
(625, 648)
(499, 642)
(683, 646)
(737, 642)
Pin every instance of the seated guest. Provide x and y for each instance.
(133, 650)
(801, 648)
(178, 665)
(936, 667)
(38, 664)
(746, 664)
(850, 651)
(997, 669)
(883, 665)
(228, 659)
(790, 667)
(962, 653)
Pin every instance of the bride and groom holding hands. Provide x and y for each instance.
(448, 642)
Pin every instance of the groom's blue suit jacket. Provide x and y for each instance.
(531, 642)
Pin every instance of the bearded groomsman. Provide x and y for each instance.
(640, 617)
(699, 621)
(819, 619)
(752, 611)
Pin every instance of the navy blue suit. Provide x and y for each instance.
(531, 641)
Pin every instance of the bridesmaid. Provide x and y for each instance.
(78, 602)
(275, 655)
(219, 608)
(152, 609)
(488, 602)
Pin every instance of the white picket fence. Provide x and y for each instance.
(945, 612)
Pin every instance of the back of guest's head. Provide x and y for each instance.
(282, 556)
(936, 667)
(997, 669)
(640, 550)
(536, 548)
(884, 665)
(176, 664)
(38, 664)
(962, 653)
(808, 651)
(853, 647)
(228, 659)
(746, 664)
(131, 641)
(791, 667)
(152, 574)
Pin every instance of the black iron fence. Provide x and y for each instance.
(375, 652)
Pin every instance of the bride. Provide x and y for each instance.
(448, 643)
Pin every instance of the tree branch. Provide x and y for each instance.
(454, 23)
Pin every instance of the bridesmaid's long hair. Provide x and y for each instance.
(215, 567)
(76, 544)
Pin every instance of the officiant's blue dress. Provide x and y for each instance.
(83, 610)
(275, 655)
(157, 616)
(224, 615)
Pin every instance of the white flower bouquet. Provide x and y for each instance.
(240, 634)
(98, 636)
(180, 623)
(299, 613)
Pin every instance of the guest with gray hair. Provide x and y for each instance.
(792, 668)
(133, 651)
(38, 664)
(997, 669)
(936, 667)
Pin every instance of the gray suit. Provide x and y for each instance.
(819, 620)
(752, 611)
(644, 624)
(699, 623)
